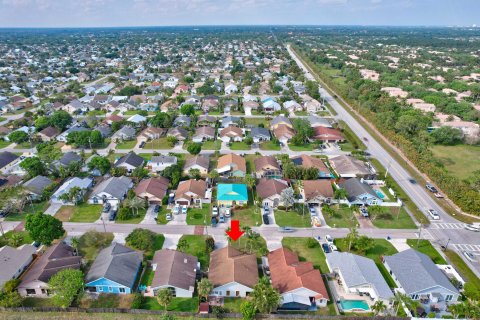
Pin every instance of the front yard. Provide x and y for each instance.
(80, 213)
(249, 216)
(134, 220)
(305, 147)
(314, 255)
(20, 238)
(298, 217)
(126, 144)
(257, 121)
(212, 145)
(197, 248)
(199, 216)
(33, 208)
(90, 243)
(239, 145)
(160, 143)
(425, 247)
(270, 145)
(339, 216)
(393, 218)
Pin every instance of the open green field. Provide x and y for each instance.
(80, 213)
(126, 144)
(315, 255)
(460, 160)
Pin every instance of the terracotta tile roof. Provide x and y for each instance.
(313, 188)
(49, 132)
(197, 187)
(309, 161)
(283, 131)
(327, 134)
(270, 187)
(231, 131)
(288, 274)
(201, 160)
(266, 162)
(155, 186)
(174, 268)
(230, 265)
(232, 158)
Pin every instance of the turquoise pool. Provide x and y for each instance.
(352, 305)
(380, 194)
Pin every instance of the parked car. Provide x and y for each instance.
(215, 211)
(184, 209)
(142, 144)
(266, 220)
(333, 247)
(364, 211)
(431, 188)
(469, 256)
(266, 210)
(329, 239)
(156, 209)
(222, 219)
(169, 217)
(106, 207)
(286, 229)
(214, 221)
(228, 212)
(433, 214)
(313, 211)
(176, 209)
(171, 198)
(112, 215)
(326, 248)
(317, 150)
(473, 227)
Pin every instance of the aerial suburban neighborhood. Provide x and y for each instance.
(216, 172)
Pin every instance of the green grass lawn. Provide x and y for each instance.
(198, 248)
(212, 145)
(177, 304)
(80, 213)
(147, 276)
(257, 121)
(388, 219)
(24, 238)
(467, 274)
(247, 245)
(301, 113)
(198, 216)
(424, 246)
(157, 245)
(89, 249)
(314, 255)
(34, 207)
(459, 160)
(126, 144)
(134, 220)
(239, 145)
(381, 248)
(305, 147)
(232, 304)
(161, 143)
(4, 144)
(162, 215)
(248, 217)
(342, 217)
(293, 218)
(25, 145)
(269, 145)
(346, 146)
(37, 302)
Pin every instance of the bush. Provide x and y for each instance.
(312, 243)
(141, 239)
(124, 214)
(137, 301)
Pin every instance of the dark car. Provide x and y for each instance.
(326, 248)
(112, 216)
(106, 207)
(3, 214)
(214, 221)
(156, 209)
(431, 188)
(142, 144)
(412, 181)
(266, 220)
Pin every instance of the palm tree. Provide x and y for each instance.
(352, 237)
(378, 307)
(16, 239)
(164, 297)
(264, 296)
(250, 181)
(397, 300)
(204, 287)
(74, 242)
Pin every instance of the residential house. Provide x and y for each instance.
(283, 133)
(34, 282)
(232, 194)
(232, 165)
(15, 261)
(159, 163)
(105, 130)
(152, 190)
(279, 121)
(232, 273)
(316, 121)
(126, 133)
(152, 133)
(300, 285)
(313, 106)
(259, 134)
(231, 88)
(191, 193)
(417, 276)
(231, 133)
(83, 183)
(203, 134)
(292, 106)
(199, 162)
(112, 190)
(229, 121)
(130, 161)
(317, 192)
(267, 167)
(48, 134)
(75, 106)
(269, 105)
(62, 137)
(36, 186)
(359, 275)
(179, 133)
(349, 167)
(67, 159)
(307, 161)
(325, 134)
(115, 270)
(8, 160)
(360, 193)
(176, 271)
(182, 121)
(270, 190)
(206, 121)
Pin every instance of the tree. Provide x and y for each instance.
(48, 151)
(264, 297)
(18, 136)
(164, 297)
(16, 239)
(363, 244)
(352, 237)
(248, 310)
(204, 287)
(183, 245)
(172, 141)
(215, 175)
(43, 228)
(129, 91)
(74, 242)
(141, 239)
(100, 163)
(140, 173)
(250, 181)
(194, 148)
(194, 173)
(66, 285)
(378, 307)
(60, 120)
(287, 197)
(10, 299)
(187, 109)
(447, 136)
(340, 193)
(11, 285)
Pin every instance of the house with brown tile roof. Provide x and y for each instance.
(203, 134)
(327, 134)
(232, 273)
(200, 162)
(269, 190)
(317, 191)
(34, 282)
(349, 167)
(283, 133)
(151, 133)
(309, 162)
(231, 133)
(48, 133)
(152, 189)
(191, 193)
(300, 285)
(268, 167)
(232, 165)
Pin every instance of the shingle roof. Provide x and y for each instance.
(357, 270)
(69, 157)
(115, 186)
(13, 259)
(116, 263)
(416, 272)
(174, 268)
(232, 158)
(347, 165)
(314, 188)
(6, 158)
(198, 187)
(309, 161)
(270, 187)
(260, 132)
(156, 186)
(230, 265)
(266, 162)
(200, 160)
(355, 188)
(132, 159)
(37, 184)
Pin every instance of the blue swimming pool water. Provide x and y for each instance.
(380, 194)
(348, 305)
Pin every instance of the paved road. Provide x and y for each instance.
(416, 192)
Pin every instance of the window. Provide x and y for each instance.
(110, 289)
(449, 297)
(237, 293)
(100, 289)
(31, 291)
(415, 296)
(228, 293)
(122, 290)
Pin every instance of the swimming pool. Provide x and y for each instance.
(380, 194)
(354, 305)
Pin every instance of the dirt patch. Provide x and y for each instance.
(105, 300)
(65, 213)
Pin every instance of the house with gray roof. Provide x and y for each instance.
(74, 128)
(316, 121)
(125, 133)
(416, 275)
(112, 190)
(36, 186)
(360, 193)
(115, 270)
(174, 270)
(182, 121)
(15, 261)
(260, 134)
(130, 161)
(7, 161)
(229, 121)
(358, 275)
(67, 159)
(83, 183)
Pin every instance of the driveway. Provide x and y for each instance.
(271, 217)
(273, 243)
(178, 219)
(150, 216)
(248, 111)
(171, 241)
(53, 208)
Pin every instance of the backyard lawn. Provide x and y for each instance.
(425, 247)
(269, 145)
(161, 143)
(147, 276)
(239, 145)
(199, 216)
(293, 218)
(341, 217)
(126, 144)
(314, 255)
(197, 247)
(212, 145)
(24, 238)
(248, 216)
(381, 248)
(177, 304)
(392, 218)
(134, 220)
(80, 213)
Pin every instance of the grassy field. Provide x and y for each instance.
(197, 216)
(269, 145)
(24, 238)
(239, 145)
(342, 217)
(463, 269)
(197, 248)
(134, 220)
(424, 246)
(147, 277)
(315, 255)
(293, 218)
(161, 143)
(212, 145)
(126, 144)
(388, 219)
(248, 216)
(460, 160)
(80, 213)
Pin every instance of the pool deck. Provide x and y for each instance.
(339, 294)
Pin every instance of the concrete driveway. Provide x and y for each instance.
(150, 216)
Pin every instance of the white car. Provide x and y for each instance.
(176, 209)
(227, 212)
(215, 211)
(473, 227)
(433, 214)
(329, 239)
(169, 217)
(184, 209)
(469, 256)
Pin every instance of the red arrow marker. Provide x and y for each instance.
(235, 233)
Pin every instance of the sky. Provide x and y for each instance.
(115, 13)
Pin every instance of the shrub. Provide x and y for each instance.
(141, 239)
(137, 301)
(312, 243)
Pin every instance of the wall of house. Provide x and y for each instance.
(40, 288)
(179, 292)
(232, 289)
(108, 286)
(309, 293)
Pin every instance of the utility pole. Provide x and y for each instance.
(446, 246)
(1, 229)
(104, 227)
